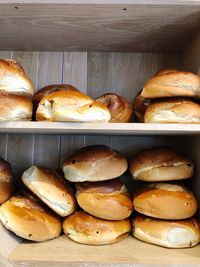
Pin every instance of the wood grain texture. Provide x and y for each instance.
(4, 137)
(19, 157)
(191, 56)
(98, 27)
(46, 148)
(75, 73)
(63, 252)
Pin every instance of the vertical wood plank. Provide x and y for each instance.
(20, 147)
(4, 137)
(49, 72)
(75, 73)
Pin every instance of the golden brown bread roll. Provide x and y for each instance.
(6, 181)
(13, 79)
(173, 111)
(160, 164)
(120, 109)
(15, 107)
(170, 234)
(25, 216)
(50, 89)
(86, 229)
(51, 188)
(107, 200)
(140, 105)
(94, 163)
(170, 83)
(71, 105)
(170, 201)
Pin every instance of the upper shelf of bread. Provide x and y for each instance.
(100, 25)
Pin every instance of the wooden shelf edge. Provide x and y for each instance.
(104, 2)
(24, 127)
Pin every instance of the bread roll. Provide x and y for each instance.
(94, 163)
(170, 234)
(140, 105)
(15, 107)
(120, 109)
(173, 111)
(51, 188)
(13, 78)
(107, 200)
(71, 105)
(86, 229)
(6, 181)
(160, 164)
(168, 201)
(170, 83)
(51, 89)
(26, 217)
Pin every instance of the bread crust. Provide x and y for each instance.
(6, 181)
(13, 79)
(160, 164)
(120, 109)
(171, 83)
(94, 163)
(25, 216)
(173, 111)
(51, 188)
(86, 229)
(170, 234)
(111, 197)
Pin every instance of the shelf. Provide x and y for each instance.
(87, 25)
(24, 127)
(63, 252)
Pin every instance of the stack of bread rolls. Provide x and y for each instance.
(170, 96)
(16, 91)
(166, 209)
(66, 103)
(104, 200)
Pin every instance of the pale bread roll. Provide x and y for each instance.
(13, 79)
(160, 164)
(51, 188)
(171, 83)
(94, 163)
(170, 234)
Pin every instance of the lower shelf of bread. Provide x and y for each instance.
(63, 252)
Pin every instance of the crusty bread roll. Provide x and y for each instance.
(13, 78)
(25, 216)
(15, 107)
(86, 229)
(170, 201)
(94, 163)
(170, 234)
(160, 164)
(6, 180)
(173, 111)
(51, 89)
(120, 109)
(107, 200)
(71, 105)
(140, 105)
(51, 188)
(170, 83)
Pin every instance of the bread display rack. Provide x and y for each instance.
(98, 46)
